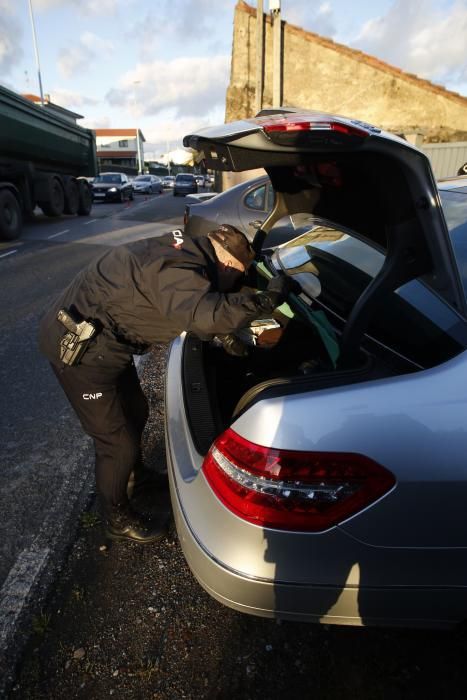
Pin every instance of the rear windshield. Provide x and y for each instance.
(413, 321)
(455, 212)
(142, 178)
(184, 178)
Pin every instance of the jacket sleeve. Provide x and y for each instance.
(190, 302)
(224, 313)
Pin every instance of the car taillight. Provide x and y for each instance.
(290, 489)
(289, 124)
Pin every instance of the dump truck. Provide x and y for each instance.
(45, 159)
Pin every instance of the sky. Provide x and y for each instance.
(163, 65)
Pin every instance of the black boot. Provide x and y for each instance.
(123, 523)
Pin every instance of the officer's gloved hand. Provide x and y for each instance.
(280, 287)
(233, 345)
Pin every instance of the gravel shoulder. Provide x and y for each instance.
(131, 622)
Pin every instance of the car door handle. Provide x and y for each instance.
(256, 224)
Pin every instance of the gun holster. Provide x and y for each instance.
(74, 343)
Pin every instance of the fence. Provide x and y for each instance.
(447, 159)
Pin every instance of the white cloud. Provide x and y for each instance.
(71, 100)
(319, 20)
(188, 85)
(420, 38)
(86, 7)
(166, 133)
(79, 57)
(96, 122)
(10, 33)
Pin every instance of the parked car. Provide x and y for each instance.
(147, 184)
(168, 181)
(112, 187)
(245, 206)
(323, 477)
(200, 180)
(198, 198)
(185, 183)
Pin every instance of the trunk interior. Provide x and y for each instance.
(219, 387)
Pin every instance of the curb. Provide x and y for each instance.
(30, 579)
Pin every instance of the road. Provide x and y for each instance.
(127, 621)
(45, 461)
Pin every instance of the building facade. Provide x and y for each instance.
(120, 150)
(320, 74)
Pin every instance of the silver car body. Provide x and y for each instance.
(147, 184)
(401, 558)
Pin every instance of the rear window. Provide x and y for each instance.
(413, 321)
(184, 178)
(455, 212)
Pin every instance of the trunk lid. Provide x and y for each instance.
(347, 171)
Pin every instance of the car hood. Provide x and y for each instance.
(347, 171)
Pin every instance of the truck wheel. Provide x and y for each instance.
(462, 170)
(85, 198)
(71, 196)
(10, 216)
(55, 203)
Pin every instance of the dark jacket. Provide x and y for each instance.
(150, 291)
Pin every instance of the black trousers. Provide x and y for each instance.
(113, 410)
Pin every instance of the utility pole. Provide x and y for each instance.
(138, 145)
(36, 51)
(259, 56)
(275, 10)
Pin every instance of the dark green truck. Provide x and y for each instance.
(44, 161)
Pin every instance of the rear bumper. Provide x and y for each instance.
(397, 607)
(327, 577)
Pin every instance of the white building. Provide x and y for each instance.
(120, 149)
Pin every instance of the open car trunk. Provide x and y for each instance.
(219, 387)
(369, 246)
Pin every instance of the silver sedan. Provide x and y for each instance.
(323, 477)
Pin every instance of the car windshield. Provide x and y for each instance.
(184, 178)
(108, 178)
(142, 178)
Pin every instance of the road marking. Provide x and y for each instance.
(10, 252)
(54, 235)
(86, 223)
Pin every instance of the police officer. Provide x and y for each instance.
(132, 296)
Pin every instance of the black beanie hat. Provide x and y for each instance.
(234, 242)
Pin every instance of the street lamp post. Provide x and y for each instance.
(36, 51)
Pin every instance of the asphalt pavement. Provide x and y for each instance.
(46, 463)
(130, 622)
